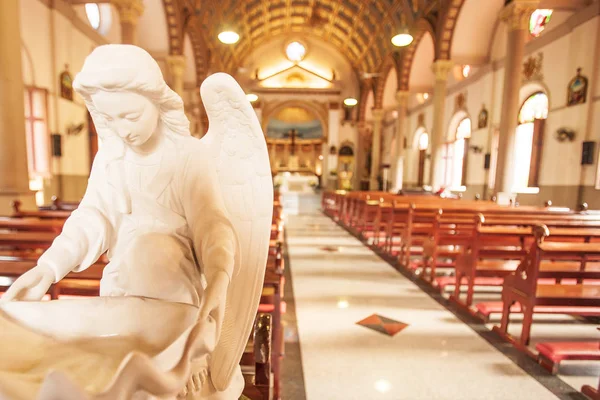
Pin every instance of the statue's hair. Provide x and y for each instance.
(118, 67)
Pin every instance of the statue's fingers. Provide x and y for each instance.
(34, 294)
(12, 293)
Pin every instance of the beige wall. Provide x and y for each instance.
(569, 45)
(51, 38)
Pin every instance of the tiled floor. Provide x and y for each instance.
(435, 357)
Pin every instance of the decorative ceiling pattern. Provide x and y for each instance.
(360, 29)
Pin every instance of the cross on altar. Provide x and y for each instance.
(292, 134)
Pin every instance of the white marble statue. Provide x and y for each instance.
(186, 226)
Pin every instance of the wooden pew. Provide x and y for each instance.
(493, 252)
(523, 285)
(256, 362)
(56, 214)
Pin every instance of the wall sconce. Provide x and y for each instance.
(73, 129)
(565, 134)
(476, 149)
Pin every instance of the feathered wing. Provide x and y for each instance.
(241, 158)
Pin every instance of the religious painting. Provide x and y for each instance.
(577, 91)
(66, 84)
(483, 118)
(294, 123)
(532, 68)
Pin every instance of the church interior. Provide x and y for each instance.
(436, 174)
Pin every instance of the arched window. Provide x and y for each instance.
(93, 14)
(528, 141)
(422, 143)
(455, 155)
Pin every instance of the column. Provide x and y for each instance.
(398, 164)
(330, 161)
(176, 65)
(14, 176)
(129, 14)
(376, 149)
(516, 15)
(440, 68)
(361, 156)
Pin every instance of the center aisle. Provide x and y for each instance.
(338, 282)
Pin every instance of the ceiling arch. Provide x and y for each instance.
(390, 88)
(174, 23)
(355, 27)
(153, 32)
(445, 28)
(421, 75)
(383, 80)
(423, 27)
(474, 31)
(366, 94)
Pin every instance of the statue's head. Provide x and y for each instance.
(127, 96)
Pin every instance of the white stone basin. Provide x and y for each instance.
(112, 327)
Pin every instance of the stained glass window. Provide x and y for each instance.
(535, 107)
(538, 21)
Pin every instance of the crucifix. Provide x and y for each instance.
(292, 134)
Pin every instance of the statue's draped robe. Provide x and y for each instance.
(177, 227)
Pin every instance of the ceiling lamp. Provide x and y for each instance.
(350, 102)
(295, 52)
(251, 97)
(228, 37)
(402, 39)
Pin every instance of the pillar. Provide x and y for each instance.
(398, 164)
(376, 149)
(14, 176)
(360, 174)
(440, 68)
(330, 161)
(176, 65)
(516, 15)
(129, 14)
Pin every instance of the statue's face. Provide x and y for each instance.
(131, 116)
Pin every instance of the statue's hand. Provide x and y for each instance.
(31, 286)
(215, 298)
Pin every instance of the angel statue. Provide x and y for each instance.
(185, 224)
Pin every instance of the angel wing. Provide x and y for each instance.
(241, 158)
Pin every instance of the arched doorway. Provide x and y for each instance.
(345, 167)
(528, 141)
(455, 152)
(422, 143)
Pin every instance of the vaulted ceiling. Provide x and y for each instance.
(360, 29)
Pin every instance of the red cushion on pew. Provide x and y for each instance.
(443, 281)
(559, 351)
(269, 308)
(489, 307)
(266, 308)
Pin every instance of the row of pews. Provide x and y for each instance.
(540, 260)
(26, 234)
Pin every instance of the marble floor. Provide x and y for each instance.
(337, 282)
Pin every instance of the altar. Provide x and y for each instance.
(296, 182)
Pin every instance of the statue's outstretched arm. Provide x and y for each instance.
(84, 238)
(86, 233)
